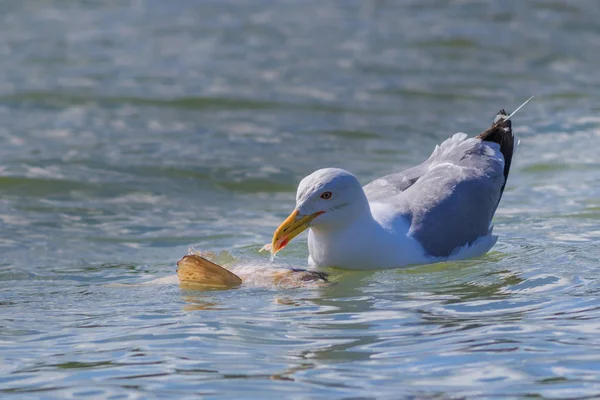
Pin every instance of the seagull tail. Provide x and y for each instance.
(501, 132)
(196, 270)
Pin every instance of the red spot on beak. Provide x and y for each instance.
(284, 243)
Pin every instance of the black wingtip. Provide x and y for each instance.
(501, 132)
(500, 119)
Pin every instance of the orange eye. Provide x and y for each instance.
(326, 195)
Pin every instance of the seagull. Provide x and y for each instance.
(439, 210)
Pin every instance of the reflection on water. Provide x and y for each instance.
(196, 303)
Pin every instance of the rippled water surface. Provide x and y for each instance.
(131, 130)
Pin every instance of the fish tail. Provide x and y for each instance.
(194, 269)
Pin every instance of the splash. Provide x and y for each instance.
(259, 273)
(268, 247)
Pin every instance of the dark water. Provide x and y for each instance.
(130, 130)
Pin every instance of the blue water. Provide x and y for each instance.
(132, 130)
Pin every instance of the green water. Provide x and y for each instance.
(132, 130)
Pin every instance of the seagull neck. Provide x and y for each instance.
(348, 245)
(357, 220)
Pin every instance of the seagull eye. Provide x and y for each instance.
(326, 195)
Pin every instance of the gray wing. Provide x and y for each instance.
(384, 189)
(449, 199)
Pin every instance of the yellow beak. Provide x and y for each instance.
(289, 229)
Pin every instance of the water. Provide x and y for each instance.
(131, 130)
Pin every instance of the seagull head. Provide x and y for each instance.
(327, 199)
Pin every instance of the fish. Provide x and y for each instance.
(196, 271)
